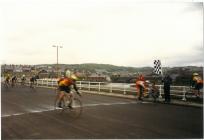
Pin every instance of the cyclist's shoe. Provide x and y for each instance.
(140, 99)
(197, 97)
(70, 107)
(79, 93)
(60, 105)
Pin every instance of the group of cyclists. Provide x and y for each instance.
(12, 80)
(65, 83)
(145, 87)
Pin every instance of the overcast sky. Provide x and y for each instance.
(122, 32)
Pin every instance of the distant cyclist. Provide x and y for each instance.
(64, 87)
(153, 90)
(32, 81)
(140, 86)
(23, 79)
(7, 80)
(197, 83)
(13, 80)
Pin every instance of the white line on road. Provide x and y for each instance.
(85, 105)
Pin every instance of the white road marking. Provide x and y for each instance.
(85, 105)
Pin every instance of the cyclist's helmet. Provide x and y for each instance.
(68, 73)
(195, 74)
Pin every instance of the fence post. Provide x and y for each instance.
(124, 91)
(52, 83)
(99, 86)
(111, 88)
(89, 86)
(184, 94)
(79, 84)
(160, 89)
(37, 82)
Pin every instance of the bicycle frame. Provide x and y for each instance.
(70, 100)
(192, 93)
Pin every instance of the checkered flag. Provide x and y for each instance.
(157, 67)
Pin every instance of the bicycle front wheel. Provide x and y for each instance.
(76, 109)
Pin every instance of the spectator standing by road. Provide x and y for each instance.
(167, 83)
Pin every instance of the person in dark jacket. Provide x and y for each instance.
(167, 83)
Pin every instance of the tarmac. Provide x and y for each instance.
(30, 114)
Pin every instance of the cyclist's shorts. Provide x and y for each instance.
(198, 86)
(64, 88)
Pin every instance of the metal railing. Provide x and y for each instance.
(127, 89)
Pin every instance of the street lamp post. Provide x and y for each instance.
(57, 59)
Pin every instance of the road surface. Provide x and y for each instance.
(27, 114)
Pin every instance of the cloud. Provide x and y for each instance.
(193, 58)
(118, 33)
(193, 7)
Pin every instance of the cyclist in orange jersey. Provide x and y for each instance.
(64, 86)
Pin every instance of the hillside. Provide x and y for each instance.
(92, 67)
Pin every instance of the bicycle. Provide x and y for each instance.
(150, 91)
(76, 104)
(33, 86)
(23, 83)
(153, 94)
(190, 94)
(13, 84)
(6, 85)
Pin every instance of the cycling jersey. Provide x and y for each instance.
(7, 78)
(32, 79)
(140, 83)
(65, 85)
(23, 78)
(197, 79)
(197, 83)
(65, 82)
(14, 78)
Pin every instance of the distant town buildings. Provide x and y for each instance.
(50, 72)
(180, 75)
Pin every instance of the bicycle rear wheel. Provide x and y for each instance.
(76, 110)
(6, 86)
(190, 96)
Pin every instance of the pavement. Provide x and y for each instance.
(29, 114)
(173, 100)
